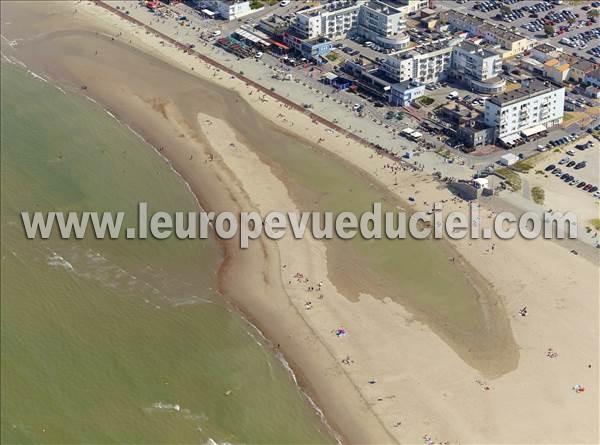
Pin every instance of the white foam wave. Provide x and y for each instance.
(37, 76)
(56, 260)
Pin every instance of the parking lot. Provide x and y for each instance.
(528, 21)
(570, 195)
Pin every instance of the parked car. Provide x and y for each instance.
(550, 167)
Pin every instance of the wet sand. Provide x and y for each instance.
(391, 337)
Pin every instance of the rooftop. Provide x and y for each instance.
(545, 48)
(529, 88)
(475, 49)
(328, 7)
(382, 8)
(579, 63)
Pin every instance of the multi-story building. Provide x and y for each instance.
(383, 25)
(229, 9)
(536, 105)
(333, 20)
(479, 68)
(372, 19)
(425, 64)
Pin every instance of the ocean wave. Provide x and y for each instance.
(55, 260)
(37, 76)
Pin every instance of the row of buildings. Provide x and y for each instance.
(379, 22)
(507, 43)
(549, 61)
(464, 49)
(478, 68)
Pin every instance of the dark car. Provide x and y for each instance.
(550, 167)
(581, 185)
(580, 165)
(564, 176)
(571, 164)
(593, 189)
(588, 187)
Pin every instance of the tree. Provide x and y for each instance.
(549, 30)
(593, 13)
(571, 21)
(505, 9)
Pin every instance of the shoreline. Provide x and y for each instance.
(463, 427)
(302, 384)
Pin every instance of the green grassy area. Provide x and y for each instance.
(523, 166)
(538, 195)
(445, 153)
(255, 4)
(511, 178)
(332, 56)
(426, 100)
(595, 223)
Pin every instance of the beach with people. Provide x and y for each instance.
(417, 342)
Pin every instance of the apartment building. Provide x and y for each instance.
(425, 64)
(374, 20)
(383, 24)
(478, 67)
(333, 20)
(229, 9)
(534, 107)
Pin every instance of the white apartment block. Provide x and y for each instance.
(374, 20)
(536, 104)
(332, 20)
(229, 9)
(426, 64)
(478, 67)
(383, 25)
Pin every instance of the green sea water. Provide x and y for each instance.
(119, 340)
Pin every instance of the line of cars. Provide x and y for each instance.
(346, 49)
(595, 51)
(487, 6)
(561, 141)
(512, 16)
(570, 179)
(569, 162)
(581, 40)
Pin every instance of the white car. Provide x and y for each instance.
(285, 3)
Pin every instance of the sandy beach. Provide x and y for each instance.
(393, 377)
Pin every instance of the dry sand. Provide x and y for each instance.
(422, 386)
